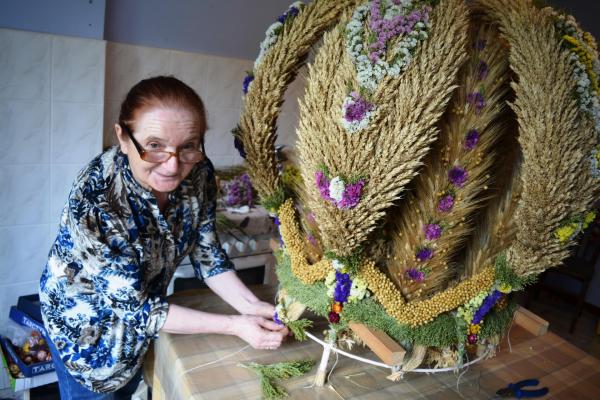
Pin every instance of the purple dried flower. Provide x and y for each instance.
(351, 195)
(388, 29)
(424, 254)
(342, 287)
(458, 176)
(323, 185)
(471, 139)
(446, 203)
(486, 306)
(415, 275)
(247, 80)
(480, 44)
(482, 70)
(357, 109)
(433, 231)
(239, 145)
(293, 11)
(276, 319)
(476, 99)
(239, 192)
(311, 239)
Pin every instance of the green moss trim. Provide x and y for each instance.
(506, 275)
(312, 296)
(442, 331)
(273, 202)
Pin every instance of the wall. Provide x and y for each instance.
(231, 28)
(218, 80)
(79, 18)
(51, 106)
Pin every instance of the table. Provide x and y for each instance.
(566, 370)
(246, 242)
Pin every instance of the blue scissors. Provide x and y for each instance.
(516, 390)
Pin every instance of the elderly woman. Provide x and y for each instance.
(134, 212)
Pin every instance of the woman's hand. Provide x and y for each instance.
(261, 308)
(231, 289)
(259, 332)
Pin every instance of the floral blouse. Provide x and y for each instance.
(103, 289)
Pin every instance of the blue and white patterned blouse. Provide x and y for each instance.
(103, 289)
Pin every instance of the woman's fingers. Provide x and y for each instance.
(263, 309)
(270, 324)
(259, 332)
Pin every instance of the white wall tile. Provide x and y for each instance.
(25, 61)
(9, 294)
(23, 252)
(126, 65)
(222, 161)
(62, 177)
(223, 82)
(25, 131)
(111, 117)
(76, 131)
(25, 195)
(219, 140)
(78, 67)
(190, 68)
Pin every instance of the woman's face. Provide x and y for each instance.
(161, 128)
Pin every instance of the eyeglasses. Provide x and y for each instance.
(160, 156)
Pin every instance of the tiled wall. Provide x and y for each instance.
(218, 80)
(51, 107)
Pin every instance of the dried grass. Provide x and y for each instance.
(265, 95)
(421, 206)
(390, 151)
(554, 138)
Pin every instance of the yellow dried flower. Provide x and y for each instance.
(505, 288)
(589, 218)
(564, 233)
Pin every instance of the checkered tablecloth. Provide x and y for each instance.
(206, 367)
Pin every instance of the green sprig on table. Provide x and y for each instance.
(268, 373)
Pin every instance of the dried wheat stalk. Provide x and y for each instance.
(391, 149)
(496, 230)
(265, 95)
(554, 139)
(421, 206)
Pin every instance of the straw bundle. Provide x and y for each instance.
(486, 73)
(265, 95)
(391, 149)
(554, 139)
